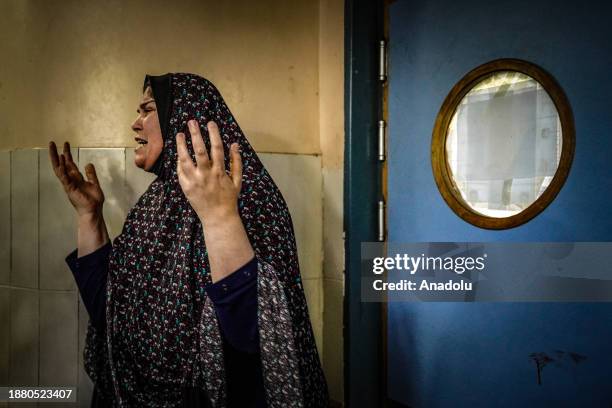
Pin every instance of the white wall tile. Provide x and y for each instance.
(58, 338)
(333, 223)
(23, 369)
(137, 180)
(299, 179)
(24, 218)
(313, 289)
(5, 217)
(4, 335)
(57, 227)
(110, 168)
(333, 349)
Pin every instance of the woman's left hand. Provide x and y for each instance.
(212, 193)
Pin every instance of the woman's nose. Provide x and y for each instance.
(137, 125)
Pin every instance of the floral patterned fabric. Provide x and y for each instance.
(162, 333)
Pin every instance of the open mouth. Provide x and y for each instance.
(140, 141)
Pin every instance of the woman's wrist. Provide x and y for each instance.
(90, 216)
(220, 218)
(227, 244)
(92, 232)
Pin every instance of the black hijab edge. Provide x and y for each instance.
(161, 89)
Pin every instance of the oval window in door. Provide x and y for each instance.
(502, 144)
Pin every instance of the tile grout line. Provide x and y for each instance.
(38, 255)
(10, 334)
(35, 289)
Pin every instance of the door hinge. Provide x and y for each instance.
(382, 61)
(382, 76)
(382, 125)
(381, 220)
(343, 251)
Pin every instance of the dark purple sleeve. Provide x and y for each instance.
(90, 273)
(235, 301)
(234, 297)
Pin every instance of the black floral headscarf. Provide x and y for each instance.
(161, 329)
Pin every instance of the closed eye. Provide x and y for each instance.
(145, 106)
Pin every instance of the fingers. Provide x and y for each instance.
(199, 147)
(71, 167)
(184, 162)
(64, 167)
(67, 182)
(67, 152)
(54, 157)
(236, 166)
(216, 147)
(90, 172)
(70, 164)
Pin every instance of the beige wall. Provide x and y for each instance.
(75, 70)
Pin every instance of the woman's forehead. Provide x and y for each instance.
(147, 95)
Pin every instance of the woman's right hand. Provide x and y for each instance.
(86, 196)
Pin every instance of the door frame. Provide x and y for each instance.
(364, 368)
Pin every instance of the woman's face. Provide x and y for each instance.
(148, 132)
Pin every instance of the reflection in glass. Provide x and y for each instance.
(504, 144)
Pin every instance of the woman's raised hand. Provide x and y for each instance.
(212, 193)
(86, 196)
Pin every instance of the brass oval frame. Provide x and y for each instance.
(439, 162)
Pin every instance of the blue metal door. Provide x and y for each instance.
(477, 355)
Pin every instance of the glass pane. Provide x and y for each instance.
(504, 144)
